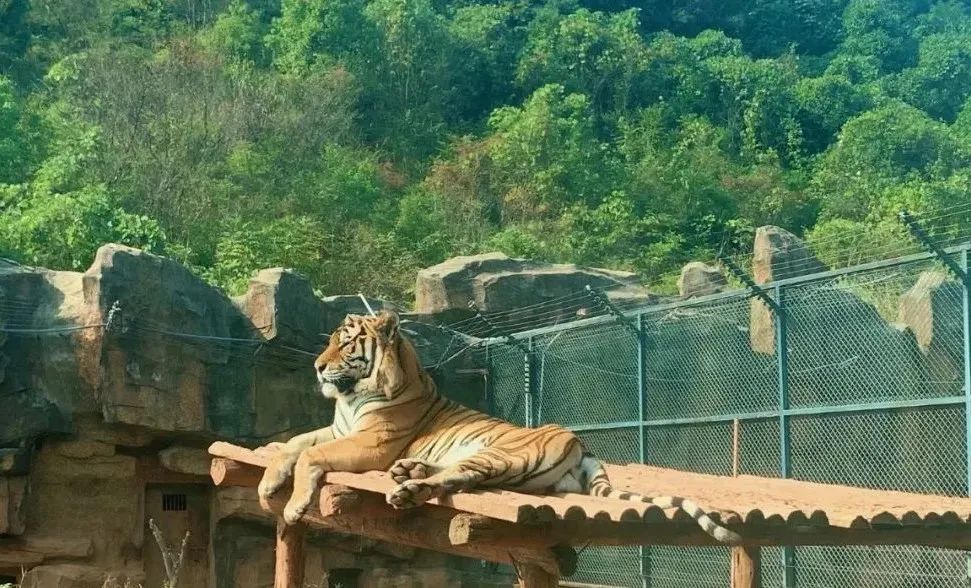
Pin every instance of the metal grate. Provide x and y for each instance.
(174, 502)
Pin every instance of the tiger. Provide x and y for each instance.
(390, 417)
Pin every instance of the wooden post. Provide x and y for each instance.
(289, 555)
(735, 443)
(746, 566)
(533, 576)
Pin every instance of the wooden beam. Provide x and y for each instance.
(289, 555)
(226, 472)
(237, 453)
(418, 529)
(531, 576)
(746, 566)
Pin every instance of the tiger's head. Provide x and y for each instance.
(365, 355)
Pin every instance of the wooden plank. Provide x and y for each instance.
(507, 506)
(842, 505)
(746, 566)
(290, 541)
(794, 512)
(226, 472)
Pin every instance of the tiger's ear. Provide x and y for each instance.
(387, 324)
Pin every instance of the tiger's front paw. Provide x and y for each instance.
(411, 494)
(275, 476)
(409, 469)
(306, 477)
(295, 510)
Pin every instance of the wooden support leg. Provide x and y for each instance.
(746, 566)
(289, 555)
(533, 576)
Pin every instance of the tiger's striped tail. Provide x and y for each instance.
(599, 485)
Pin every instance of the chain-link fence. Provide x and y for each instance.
(855, 377)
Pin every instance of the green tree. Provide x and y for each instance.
(13, 137)
(941, 81)
(592, 53)
(879, 151)
(546, 154)
(881, 30)
(237, 34)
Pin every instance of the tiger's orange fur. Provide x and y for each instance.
(389, 416)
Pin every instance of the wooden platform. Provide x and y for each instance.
(537, 532)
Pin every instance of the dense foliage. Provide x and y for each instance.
(357, 140)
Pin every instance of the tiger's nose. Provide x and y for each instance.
(320, 367)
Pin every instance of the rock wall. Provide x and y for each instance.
(116, 379)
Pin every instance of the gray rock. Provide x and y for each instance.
(777, 255)
(498, 283)
(700, 279)
(39, 383)
(931, 308)
(160, 360)
(282, 306)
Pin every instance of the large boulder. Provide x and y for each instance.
(931, 308)
(285, 312)
(40, 345)
(170, 344)
(700, 279)
(777, 255)
(282, 306)
(497, 283)
(179, 356)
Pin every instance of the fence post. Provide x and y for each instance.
(966, 314)
(785, 453)
(529, 382)
(642, 386)
(645, 551)
(490, 394)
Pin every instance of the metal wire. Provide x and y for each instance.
(873, 385)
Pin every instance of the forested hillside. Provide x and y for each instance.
(359, 140)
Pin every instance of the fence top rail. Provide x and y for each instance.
(722, 296)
